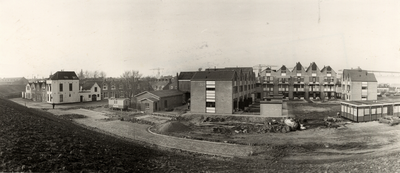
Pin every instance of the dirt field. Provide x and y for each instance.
(34, 140)
(317, 142)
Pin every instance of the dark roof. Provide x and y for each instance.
(327, 68)
(64, 75)
(186, 75)
(237, 69)
(87, 85)
(166, 93)
(359, 75)
(299, 66)
(283, 67)
(313, 66)
(162, 93)
(223, 75)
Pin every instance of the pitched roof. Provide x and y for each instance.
(220, 75)
(166, 93)
(327, 68)
(358, 75)
(186, 75)
(313, 66)
(161, 93)
(64, 75)
(87, 85)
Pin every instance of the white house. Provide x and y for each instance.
(62, 87)
(89, 91)
(28, 92)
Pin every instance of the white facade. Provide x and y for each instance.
(62, 91)
(28, 91)
(93, 94)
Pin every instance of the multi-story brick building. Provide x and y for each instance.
(118, 88)
(358, 84)
(222, 90)
(300, 82)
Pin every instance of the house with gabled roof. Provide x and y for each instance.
(89, 91)
(161, 100)
(358, 84)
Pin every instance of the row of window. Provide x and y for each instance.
(62, 87)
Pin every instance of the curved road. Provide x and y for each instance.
(140, 132)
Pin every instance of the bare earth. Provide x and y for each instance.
(326, 145)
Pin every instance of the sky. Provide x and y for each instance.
(38, 37)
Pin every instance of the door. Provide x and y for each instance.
(81, 98)
(390, 110)
(94, 97)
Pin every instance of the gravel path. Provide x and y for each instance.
(140, 132)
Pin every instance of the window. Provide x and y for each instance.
(61, 98)
(61, 87)
(95, 89)
(89, 96)
(121, 86)
(165, 104)
(70, 87)
(147, 105)
(112, 86)
(69, 95)
(105, 86)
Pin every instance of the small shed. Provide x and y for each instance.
(118, 103)
(161, 100)
(362, 111)
(273, 106)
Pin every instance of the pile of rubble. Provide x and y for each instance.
(273, 126)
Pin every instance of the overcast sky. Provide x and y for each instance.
(40, 37)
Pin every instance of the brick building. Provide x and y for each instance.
(222, 90)
(300, 82)
(118, 88)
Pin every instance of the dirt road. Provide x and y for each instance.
(140, 132)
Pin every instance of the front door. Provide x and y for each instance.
(81, 98)
(94, 97)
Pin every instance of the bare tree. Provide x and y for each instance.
(102, 75)
(131, 81)
(88, 74)
(95, 74)
(81, 75)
